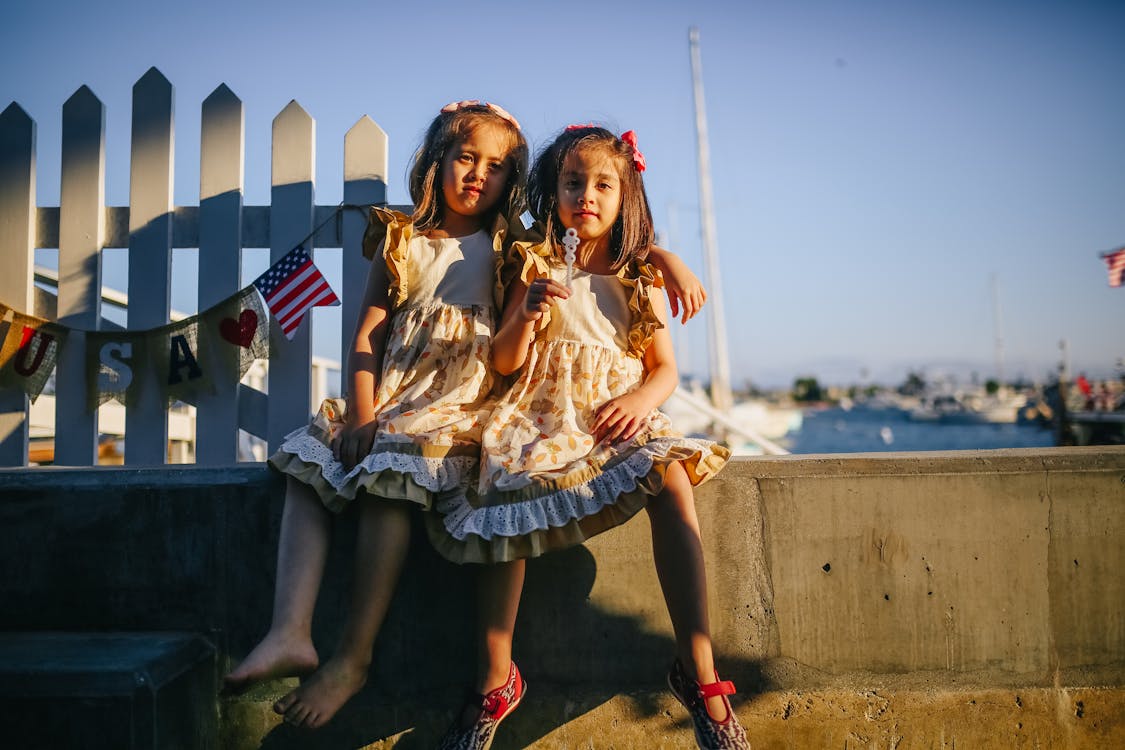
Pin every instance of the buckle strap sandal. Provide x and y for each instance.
(710, 734)
(493, 708)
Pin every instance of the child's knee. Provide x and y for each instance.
(676, 496)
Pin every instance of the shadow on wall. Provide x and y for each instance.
(574, 655)
(194, 550)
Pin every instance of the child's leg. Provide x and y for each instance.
(287, 649)
(382, 541)
(678, 553)
(498, 601)
(499, 588)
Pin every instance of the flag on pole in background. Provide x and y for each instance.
(293, 286)
(1115, 259)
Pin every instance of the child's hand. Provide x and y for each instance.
(353, 443)
(541, 294)
(691, 297)
(620, 418)
(684, 290)
(684, 287)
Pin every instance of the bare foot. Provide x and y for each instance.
(318, 699)
(276, 656)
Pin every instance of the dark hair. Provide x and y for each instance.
(632, 232)
(447, 129)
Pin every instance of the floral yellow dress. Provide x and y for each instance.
(545, 483)
(435, 389)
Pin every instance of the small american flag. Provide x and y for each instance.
(1115, 259)
(292, 287)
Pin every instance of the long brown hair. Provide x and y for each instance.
(447, 129)
(632, 232)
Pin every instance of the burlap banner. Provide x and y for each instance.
(30, 351)
(188, 356)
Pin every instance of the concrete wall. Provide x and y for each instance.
(963, 570)
(1005, 564)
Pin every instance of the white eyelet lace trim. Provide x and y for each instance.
(561, 507)
(435, 474)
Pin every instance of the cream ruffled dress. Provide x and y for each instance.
(545, 483)
(434, 392)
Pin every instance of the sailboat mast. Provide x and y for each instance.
(998, 337)
(717, 338)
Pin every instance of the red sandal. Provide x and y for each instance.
(494, 708)
(710, 734)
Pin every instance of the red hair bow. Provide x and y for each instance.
(630, 137)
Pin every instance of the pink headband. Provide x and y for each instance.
(629, 138)
(496, 108)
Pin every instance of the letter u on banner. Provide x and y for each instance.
(29, 353)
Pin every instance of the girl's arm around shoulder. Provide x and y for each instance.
(661, 374)
(524, 305)
(364, 366)
(623, 417)
(684, 287)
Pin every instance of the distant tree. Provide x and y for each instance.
(807, 389)
(914, 385)
(991, 386)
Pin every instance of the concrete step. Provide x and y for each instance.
(556, 719)
(118, 691)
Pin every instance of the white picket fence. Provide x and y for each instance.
(150, 227)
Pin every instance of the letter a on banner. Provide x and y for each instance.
(180, 357)
(30, 352)
(183, 368)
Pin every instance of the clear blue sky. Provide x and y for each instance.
(874, 163)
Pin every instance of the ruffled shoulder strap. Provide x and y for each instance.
(641, 278)
(393, 230)
(526, 260)
(527, 254)
(502, 234)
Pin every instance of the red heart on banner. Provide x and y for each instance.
(240, 331)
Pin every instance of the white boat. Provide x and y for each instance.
(752, 426)
(961, 407)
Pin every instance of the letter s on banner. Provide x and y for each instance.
(119, 374)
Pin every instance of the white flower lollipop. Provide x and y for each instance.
(571, 243)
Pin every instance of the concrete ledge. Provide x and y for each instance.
(885, 718)
(903, 575)
(111, 691)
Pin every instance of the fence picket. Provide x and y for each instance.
(17, 256)
(81, 233)
(291, 219)
(150, 256)
(365, 182)
(221, 176)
